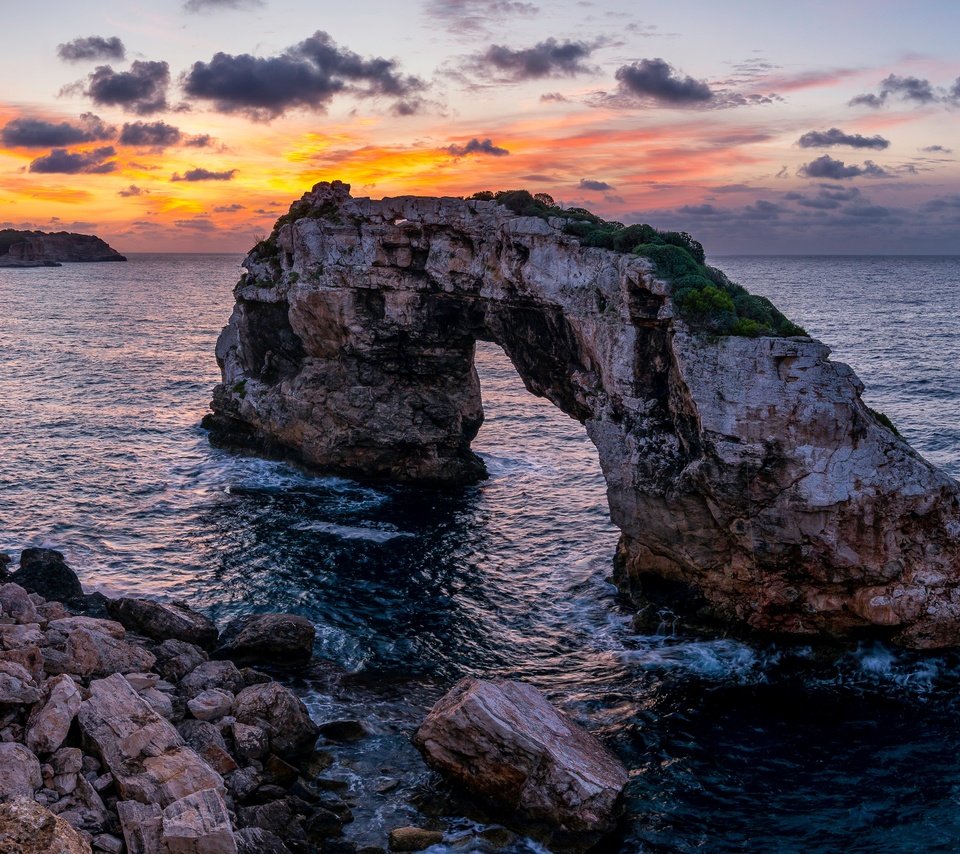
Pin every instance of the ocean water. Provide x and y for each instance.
(106, 370)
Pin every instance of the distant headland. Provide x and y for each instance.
(39, 249)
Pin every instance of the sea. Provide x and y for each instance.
(733, 745)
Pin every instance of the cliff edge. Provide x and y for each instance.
(746, 471)
(39, 249)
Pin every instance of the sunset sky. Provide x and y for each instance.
(190, 125)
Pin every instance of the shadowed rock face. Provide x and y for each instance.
(747, 472)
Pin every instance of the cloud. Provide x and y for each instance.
(867, 211)
(92, 47)
(133, 190)
(700, 210)
(307, 75)
(598, 186)
(837, 170)
(142, 89)
(937, 149)
(197, 223)
(475, 15)
(657, 80)
(554, 98)
(947, 203)
(549, 58)
(907, 88)
(214, 5)
(74, 163)
(150, 134)
(36, 133)
(835, 136)
(229, 208)
(204, 175)
(476, 146)
(537, 178)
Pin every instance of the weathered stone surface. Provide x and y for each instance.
(17, 686)
(178, 658)
(207, 740)
(211, 705)
(140, 824)
(19, 636)
(280, 713)
(49, 724)
(503, 740)
(256, 840)
(212, 674)
(198, 824)
(92, 653)
(144, 752)
(45, 571)
(28, 828)
(164, 620)
(278, 639)
(251, 741)
(413, 838)
(15, 602)
(747, 471)
(19, 771)
(28, 657)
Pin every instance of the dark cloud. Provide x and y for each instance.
(96, 162)
(476, 146)
(867, 211)
(141, 90)
(837, 170)
(92, 47)
(198, 223)
(761, 209)
(554, 98)
(819, 203)
(549, 58)
(229, 208)
(539, 179)
(475, 15)
(204, 175)
(133, 190)
(700, 210)
(598, 186)
(214, 5)
(937, 149)
(913, 89)
(948, 203)
(202, 140)
(658, 80)
(150, 134)
(36, 133)
(307, 75)
(835, 136)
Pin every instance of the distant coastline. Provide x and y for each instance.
(41, 249)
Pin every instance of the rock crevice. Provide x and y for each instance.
(746, 471)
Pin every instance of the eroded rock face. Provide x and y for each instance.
(503, 740)
(27, 827)
(747, 471)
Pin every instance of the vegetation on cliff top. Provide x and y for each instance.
(706, 299)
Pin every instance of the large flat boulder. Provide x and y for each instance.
(504, 741)
(164, 620)
(146, 755)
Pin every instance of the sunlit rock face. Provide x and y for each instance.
(747, 472)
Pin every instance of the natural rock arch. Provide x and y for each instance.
(747, 470)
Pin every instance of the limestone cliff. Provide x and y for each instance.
(39, 249)
(748, 471)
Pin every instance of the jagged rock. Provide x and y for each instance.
(29, 657)
(280, 713)
(243, 783)
(207, 740)
(20, 636)
(256, 840)
(49, 724)
(140, 824)
(278, 639)
(212, 674)
(145, 754)
(198, 824)
(211, 705)
(16, 685)
(164, 620)
(45, 571)
(747, 472)
(16, 603)
(108, 843)
(251, 741)
(503, 740)
(92, 653)
(283, 817)
(413, 839)
(26, 827)
(19, 771)
(178, 658)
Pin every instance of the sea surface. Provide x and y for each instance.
(106, 370)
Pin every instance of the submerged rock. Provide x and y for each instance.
(746, 473)
(413, 838)
(279, 639)
(503, 740)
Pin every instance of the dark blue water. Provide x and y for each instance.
(107, 369)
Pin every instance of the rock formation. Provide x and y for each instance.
(38, 249)
(745, 471)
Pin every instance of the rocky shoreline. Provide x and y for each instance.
(130, 725)
(20, 249)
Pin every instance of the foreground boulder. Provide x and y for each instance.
(45, 571)
(26, 827)
(278, 639)
(503, 740)
(280, 713)
(19, 771)
(745, 472)
(164, 620)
